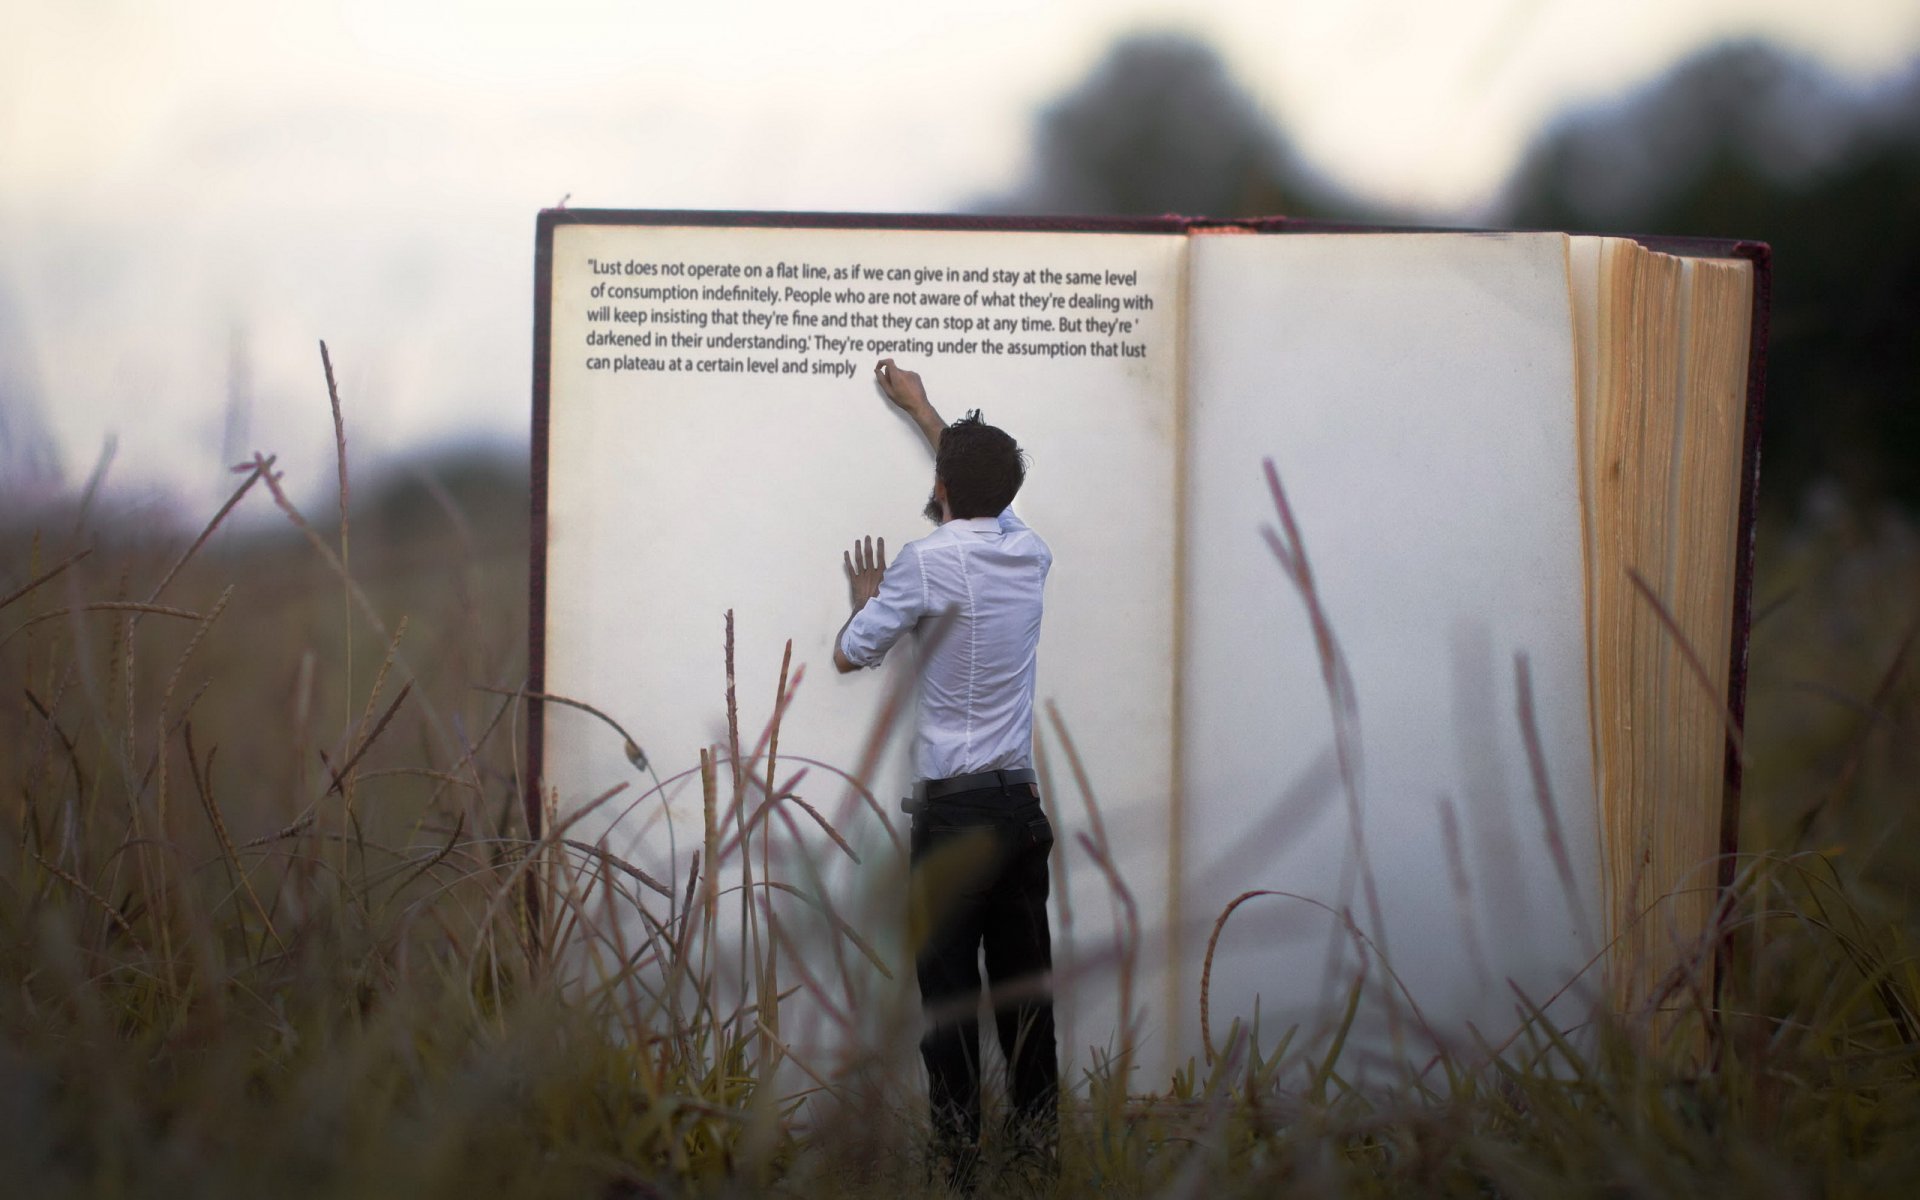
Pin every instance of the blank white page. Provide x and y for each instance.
(1416, 395)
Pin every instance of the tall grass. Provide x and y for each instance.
(264, 927)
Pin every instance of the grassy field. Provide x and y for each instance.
(262, 928)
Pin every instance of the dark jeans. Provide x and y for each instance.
(980, 880)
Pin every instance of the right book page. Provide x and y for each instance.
(1384, 707)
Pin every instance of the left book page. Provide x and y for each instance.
(715, 442)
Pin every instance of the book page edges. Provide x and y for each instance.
(1663, 385)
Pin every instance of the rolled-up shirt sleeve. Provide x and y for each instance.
(901, 602)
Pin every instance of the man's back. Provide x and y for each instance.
(971, 590)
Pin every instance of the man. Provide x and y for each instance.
(971, 592)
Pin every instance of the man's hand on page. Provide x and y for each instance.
(909, 395)
(901, 386)
(866, 564)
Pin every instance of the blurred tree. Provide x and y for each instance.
(1160, 127)
(29, 464)
(479, 492)
(1748, 141)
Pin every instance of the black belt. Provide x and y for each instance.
(933, 789)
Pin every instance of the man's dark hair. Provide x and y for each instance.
(981, 465)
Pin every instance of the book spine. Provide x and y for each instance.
(537, 501)
(1761, 256)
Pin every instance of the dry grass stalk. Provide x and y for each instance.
(1290, 551)
(53, 572)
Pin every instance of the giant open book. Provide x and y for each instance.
(1399, 599)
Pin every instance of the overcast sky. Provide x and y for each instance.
(181, 179)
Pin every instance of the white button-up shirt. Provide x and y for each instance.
(976, 669)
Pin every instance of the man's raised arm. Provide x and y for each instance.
(866, 568)
(904, 388)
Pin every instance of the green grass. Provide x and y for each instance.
(262, 928)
